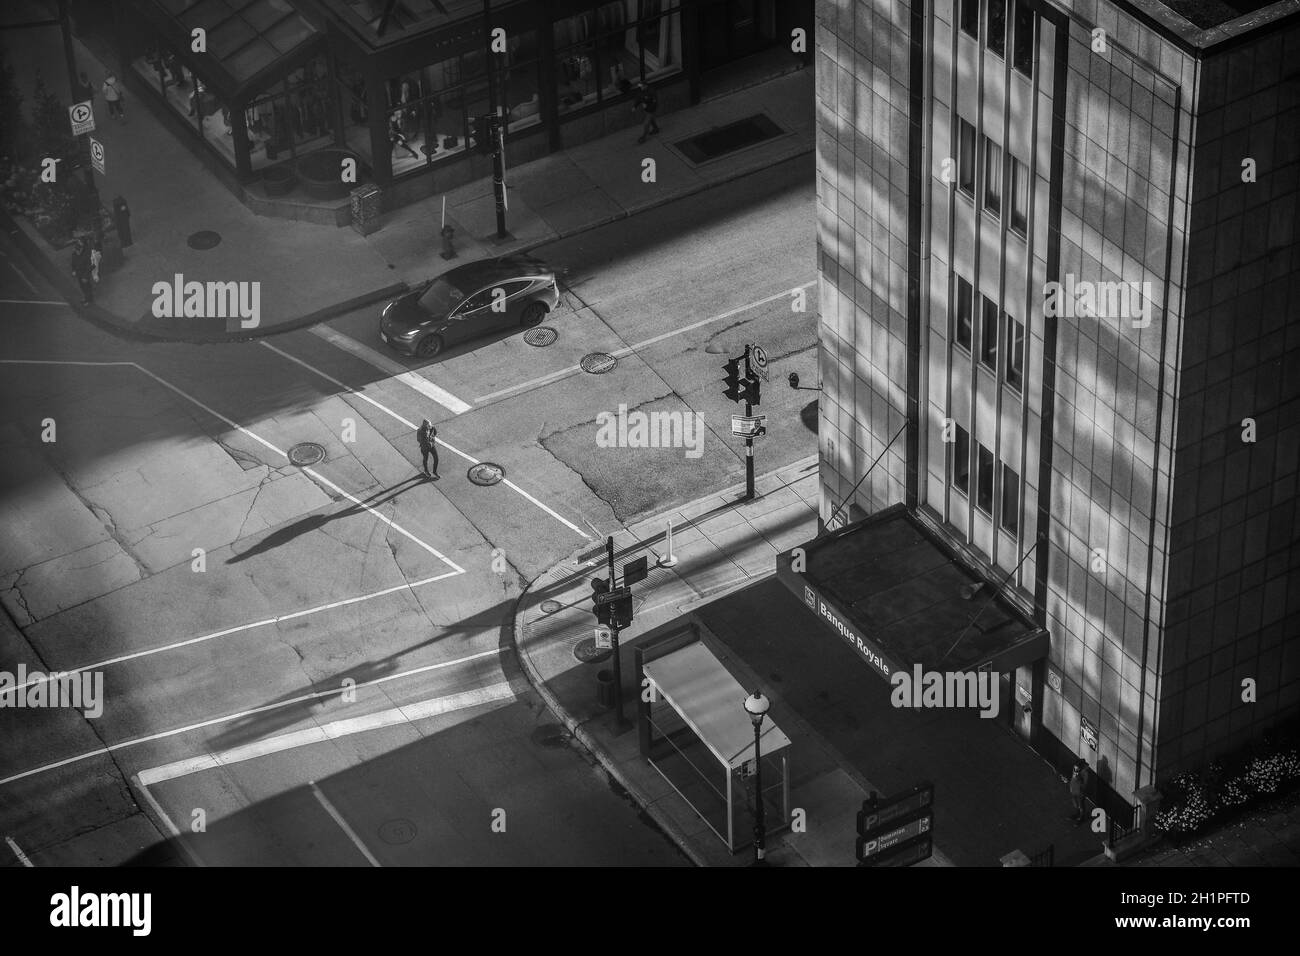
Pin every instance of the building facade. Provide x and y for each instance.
(1058, 262)
(403, 85)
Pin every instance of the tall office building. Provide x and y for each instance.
(1059, 270)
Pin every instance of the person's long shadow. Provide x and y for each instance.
(302, 526)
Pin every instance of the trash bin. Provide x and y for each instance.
(605, 688)
(122, 221)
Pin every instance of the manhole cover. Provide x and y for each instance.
(205, 239)
(550, 607)
(597, 363)
(395, 832)
(486, 473)
(541, 336)
(587, 652)
(306, 453)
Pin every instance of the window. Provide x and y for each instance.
(966, 158)
(479, 300)
(1023, 42)
(970, 18)
(997, 26)
(961, 461)
(984, 481)
(1010, 516)
(1015, 353)
(964, 313)
(1019, 195)
(992, 177)
(989, 333)
(601, 52)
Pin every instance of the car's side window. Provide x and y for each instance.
(473, 303)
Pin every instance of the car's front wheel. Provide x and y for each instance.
(429, 346)
(534, 313)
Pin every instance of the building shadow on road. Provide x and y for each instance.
(286, 533)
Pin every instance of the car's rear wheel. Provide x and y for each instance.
(534, 313)
(429, 346)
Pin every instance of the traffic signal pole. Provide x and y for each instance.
(497, 132)
(619, 721)
(749, 441)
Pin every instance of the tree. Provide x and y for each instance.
(50, 129)
(14, 138)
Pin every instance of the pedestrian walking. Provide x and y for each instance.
(113, 96)
(428, 447)
(648, 101)
(81, 271)
(396, 137)
(96, 251)
(1079, 788)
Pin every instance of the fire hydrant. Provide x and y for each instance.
(448, 250)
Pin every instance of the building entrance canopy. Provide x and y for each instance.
(892, 589)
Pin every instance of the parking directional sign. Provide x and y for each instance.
(759, 357)
(82, 117)
(97, 155)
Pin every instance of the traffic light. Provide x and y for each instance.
(623, 611)
(485, 134)
(735, 389)
(600, 586)
(752, 389)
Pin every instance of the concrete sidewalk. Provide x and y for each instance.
(309, 272)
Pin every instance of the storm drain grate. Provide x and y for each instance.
(598, 363)
(710, 145)
(204, 239)
(550, 607)
(306, 453)
(486, 473)
(397, 832)
(541, 336)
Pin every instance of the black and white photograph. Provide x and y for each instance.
(648, 435)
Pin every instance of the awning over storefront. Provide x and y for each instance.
(894, 590)
(379, 22)
(246, 39)
(711, 702)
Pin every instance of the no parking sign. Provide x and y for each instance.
(97, 155)
(82, 118)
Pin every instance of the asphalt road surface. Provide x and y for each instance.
(312, 664)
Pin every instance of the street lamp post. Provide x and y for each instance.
(757, 707)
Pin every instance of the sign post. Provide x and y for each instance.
(897, 831)
(82, 118)
(97, 155)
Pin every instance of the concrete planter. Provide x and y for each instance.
(278, 180)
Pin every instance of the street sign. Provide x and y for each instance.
(887, 812)
(97, 155)
(609, 597)
(904, 854)
(604, 638)
(749, 426)
(635, 571)
(82, 118)
(758, 357)
(918, 825)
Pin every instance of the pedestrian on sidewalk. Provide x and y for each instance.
(428, 446)
(81, 271)
(113, 96)
(96, 249)
(648, 101)
(1079, 788)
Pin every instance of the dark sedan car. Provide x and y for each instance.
(468, 302)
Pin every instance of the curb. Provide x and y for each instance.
(661, 820)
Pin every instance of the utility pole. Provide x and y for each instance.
(619, 721)
(83, 144)
(749, 440)
(496, 129)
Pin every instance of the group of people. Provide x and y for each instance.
(112, 94)
(87, 251)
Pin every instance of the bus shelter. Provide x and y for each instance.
(695, 731)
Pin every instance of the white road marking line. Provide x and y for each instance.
(22, 275)
(177, 837)
(630, 349)
(32, 302)
(22, 857)
(242, 627)
(451, 448)
(334, 730)
(343, 824)
(315, 695)
(397, 371)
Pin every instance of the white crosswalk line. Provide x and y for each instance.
(385, 364)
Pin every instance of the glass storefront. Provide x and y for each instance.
(599, 52)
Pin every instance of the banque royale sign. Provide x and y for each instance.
(829, 614)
